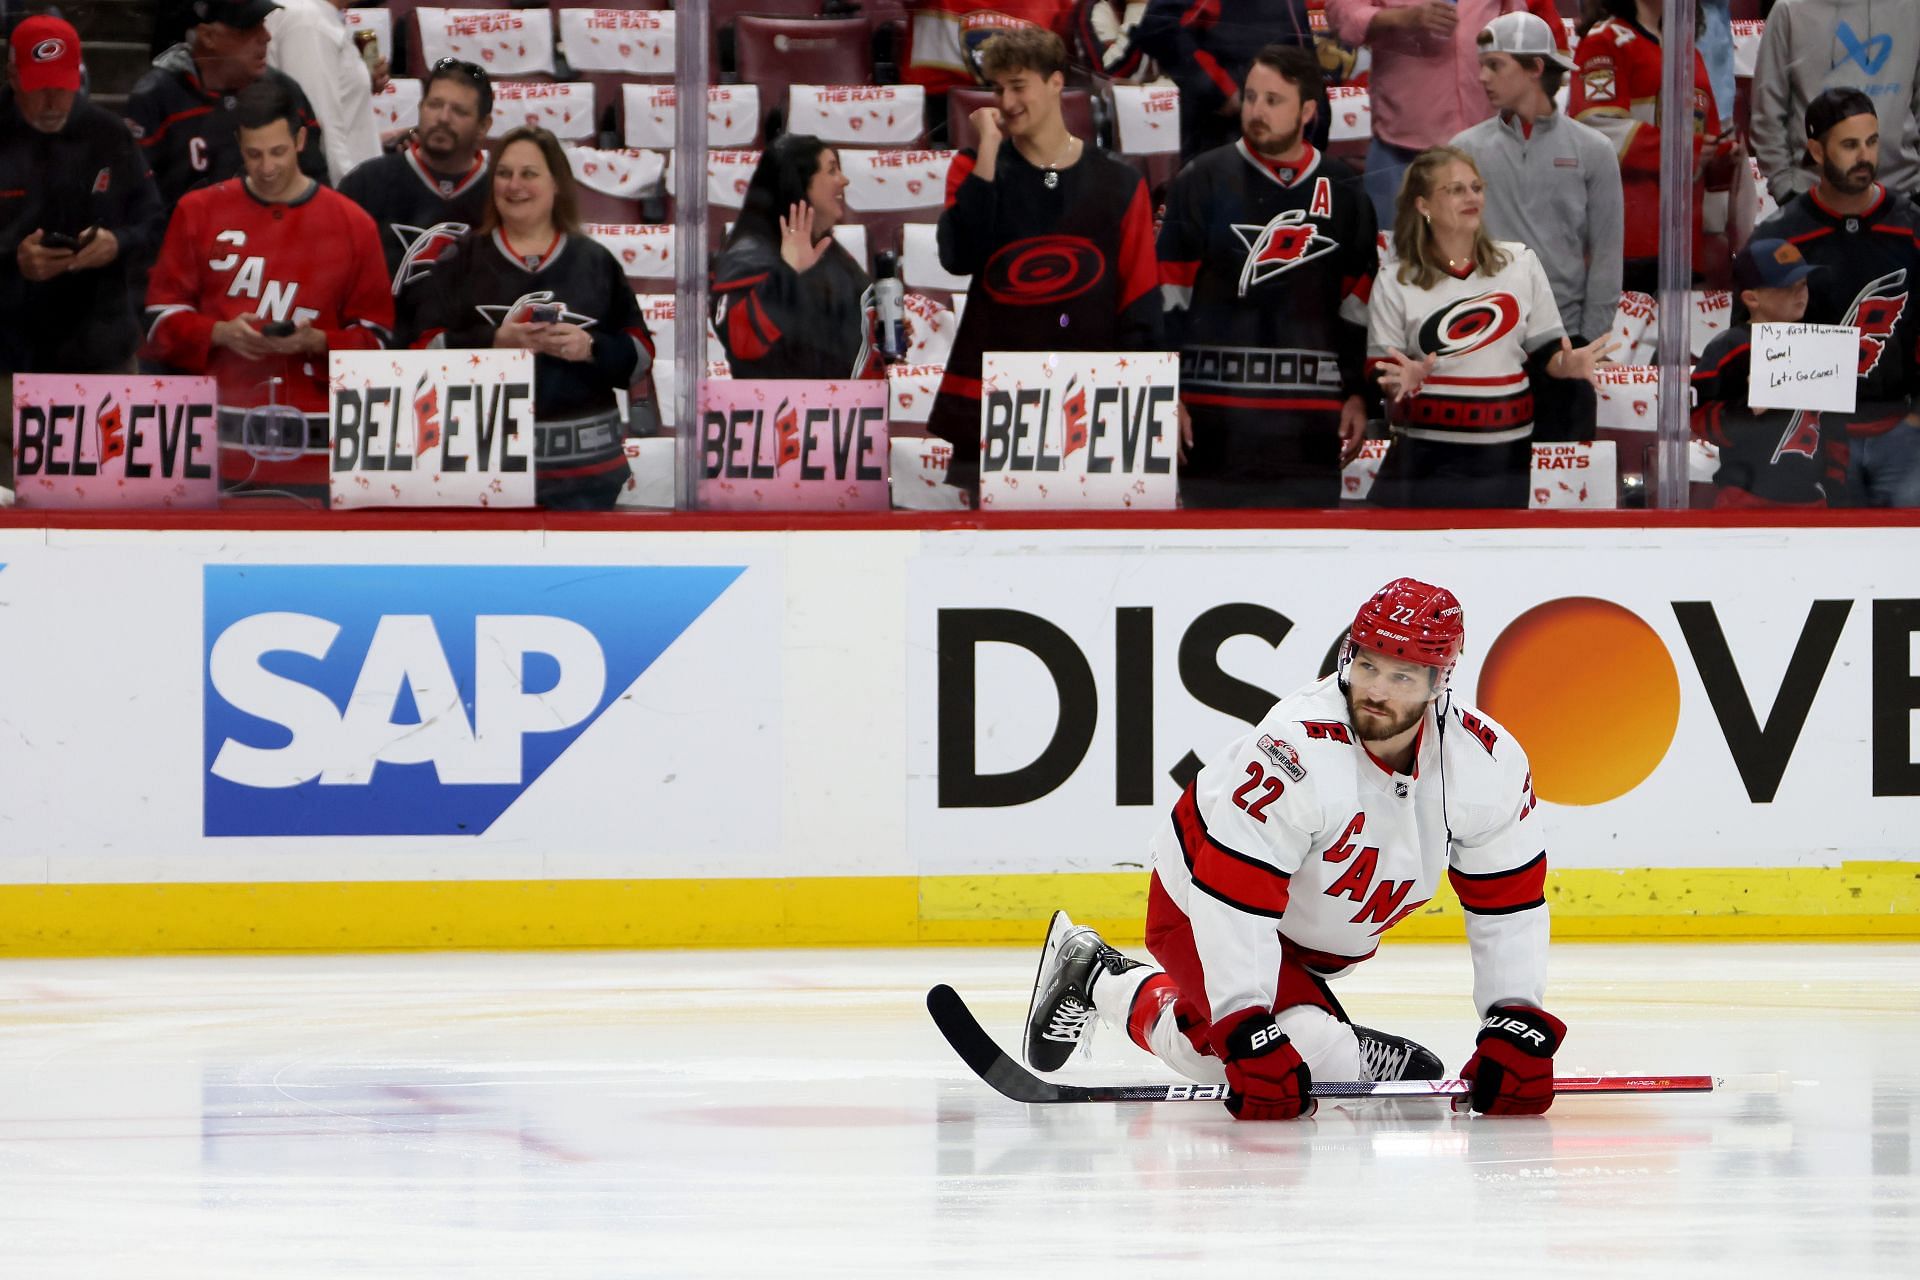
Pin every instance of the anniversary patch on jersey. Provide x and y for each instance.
(1286, 241)
(1284, 757)
(1470, 324)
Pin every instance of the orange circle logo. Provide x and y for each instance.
(1590, 691)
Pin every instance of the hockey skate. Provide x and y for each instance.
(1061, 1011)
(1390, 1057)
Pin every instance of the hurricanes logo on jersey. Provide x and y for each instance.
(1279, 246)
(497, 315)
(1875, 313)
(1469, 325)
(421, 248)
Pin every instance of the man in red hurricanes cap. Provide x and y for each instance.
(1291, 853)
(78, 214)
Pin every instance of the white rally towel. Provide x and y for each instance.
(873, 115)
(634, 42)
(652, 115)
(564, 110)
(627, 174)
(506, 42)
(891, 181)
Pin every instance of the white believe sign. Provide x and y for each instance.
(1805, 366)
(1079, 429)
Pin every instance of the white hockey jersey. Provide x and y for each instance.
(1296, 833)
(1483, 329)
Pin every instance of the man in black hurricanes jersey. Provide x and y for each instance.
(433, 190)
(1267, 258)
(1867, 240)
(1057, 235)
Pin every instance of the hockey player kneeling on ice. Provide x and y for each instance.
(1289, 856)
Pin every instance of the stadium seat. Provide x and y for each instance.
(1076, 107)
(777, 52)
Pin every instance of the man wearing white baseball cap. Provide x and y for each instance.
(1553, 184)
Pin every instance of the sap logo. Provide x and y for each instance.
(418, 699)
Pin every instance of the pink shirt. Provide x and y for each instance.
(1424, 88)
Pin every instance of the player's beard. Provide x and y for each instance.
(1852, 182)
(1368, 723)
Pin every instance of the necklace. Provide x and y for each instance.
(1052, 176)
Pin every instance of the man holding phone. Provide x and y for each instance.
(259, 278)
(77, 213)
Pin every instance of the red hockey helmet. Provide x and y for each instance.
(1415, 622)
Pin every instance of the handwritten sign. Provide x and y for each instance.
(109, 440)
(791, 445)
(1804, 366)
(432, 428)
(1079, 429)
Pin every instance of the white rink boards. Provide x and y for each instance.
(795, 1113)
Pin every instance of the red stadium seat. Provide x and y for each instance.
(1076, 108)
(776, 53)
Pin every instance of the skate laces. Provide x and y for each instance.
(1069, 1020)
(1380, 1060)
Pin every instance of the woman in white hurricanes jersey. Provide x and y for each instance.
(1290, 855)
(1453, 326)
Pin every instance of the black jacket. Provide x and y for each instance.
(90, 174)
(187, 131)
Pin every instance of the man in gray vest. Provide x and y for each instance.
(1553, 184)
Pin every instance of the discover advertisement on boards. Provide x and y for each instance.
(1756, 703)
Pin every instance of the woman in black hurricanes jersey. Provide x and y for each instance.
(527, 278)
(788, 301)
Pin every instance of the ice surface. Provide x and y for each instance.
(795, 1113)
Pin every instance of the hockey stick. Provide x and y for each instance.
(991, 1063)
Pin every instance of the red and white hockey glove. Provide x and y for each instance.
(1511, 1069)
(1266, 1079)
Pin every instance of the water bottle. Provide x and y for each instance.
(890, 304)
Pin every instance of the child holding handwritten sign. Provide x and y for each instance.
(1768, 457)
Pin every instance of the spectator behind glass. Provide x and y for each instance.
(788, 300)
(1207, 47)
(1616, 89)
(1057, 237)
(1810, 46)
(1425, 81)
(1267, 254)
(258, 279)
(1450, 330)
(1768, 457)
(181, 111)
(528, 280)
(79, 213)
(433, 190)
(1868, 242)
(1552, 184)
(311, 43)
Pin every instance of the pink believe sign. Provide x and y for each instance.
(114, 440)
(793, 446)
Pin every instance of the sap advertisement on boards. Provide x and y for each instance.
(1686, 698)
(179, 714)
